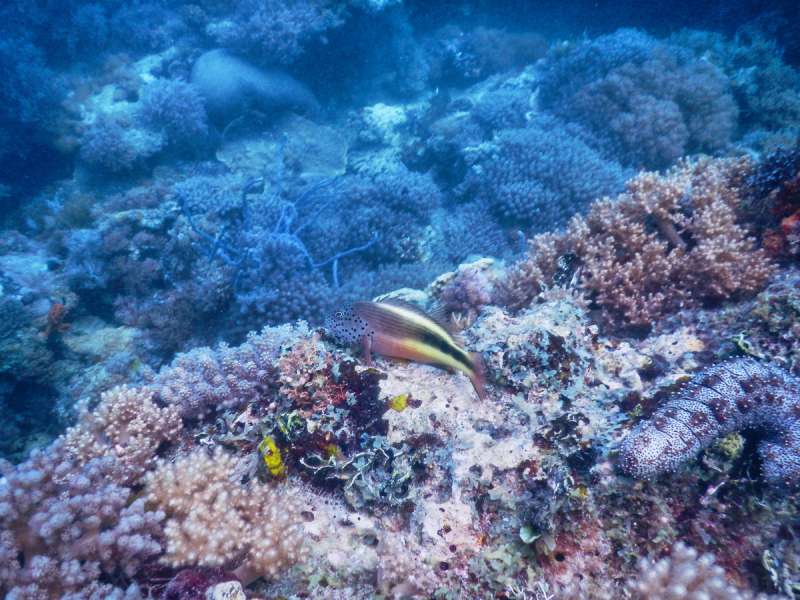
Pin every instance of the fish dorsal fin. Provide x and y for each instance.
(440, 315)
(437, 315)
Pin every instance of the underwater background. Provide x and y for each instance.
(602, 198)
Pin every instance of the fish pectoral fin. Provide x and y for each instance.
(478, 375)
(367, 344)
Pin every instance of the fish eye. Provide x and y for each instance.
(339, 313)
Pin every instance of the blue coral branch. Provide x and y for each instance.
(218, 247)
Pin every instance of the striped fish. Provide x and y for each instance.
(398, 329)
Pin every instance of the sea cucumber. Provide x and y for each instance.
(728, 397)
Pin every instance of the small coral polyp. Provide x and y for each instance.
(723, 399)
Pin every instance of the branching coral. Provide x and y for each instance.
(726, 398)
(203, 380)
(114, 148)
(684, 576)
(62, 526)
(175, 109)
(170, 114)
(652, 101)
(276, 30)
(394, 203)
(523, 181)
(672, 241)
(214, 521)
(128, 426)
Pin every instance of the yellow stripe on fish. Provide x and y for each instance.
(398, 329)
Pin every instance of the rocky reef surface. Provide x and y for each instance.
(286, 458)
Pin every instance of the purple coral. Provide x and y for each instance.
(543, 174)
(723, 399)
(204, 380)
(652, 101)
(62, 526)
(175, 109)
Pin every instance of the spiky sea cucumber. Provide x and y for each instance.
(728, 397)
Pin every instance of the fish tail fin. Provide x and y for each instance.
(478, 375)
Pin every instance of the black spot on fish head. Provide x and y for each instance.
(344, 324)
(338, 321)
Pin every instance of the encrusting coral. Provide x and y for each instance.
(214, 522)
(672, 241)
(723, 399)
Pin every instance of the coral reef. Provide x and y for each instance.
(428, 491)
(163, 238)
(721, 400)
(683, 575)
(214, 522)
(651, 101)
(671, 241)
(524, 184)
(175, 110)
